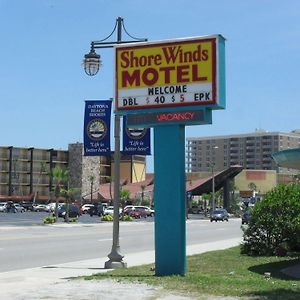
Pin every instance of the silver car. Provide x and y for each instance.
(3, 207)
(19, 208)
(219, 214)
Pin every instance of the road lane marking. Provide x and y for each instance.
(105, 240)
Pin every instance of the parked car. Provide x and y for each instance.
(19, 208)
(148, 210)
(96, 210)
(3, 207)
(74, 211)
(138, 213)
(195, 210)
(85, 208)
(10, 207)
(128, 209)
(110, 211)
(51, 206)
(27, 205)
(41, 207)
(219, 214)
(245, 217)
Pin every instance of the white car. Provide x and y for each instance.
(19, 208)
(51, 206)
(86, 207)
(110, 211)
(2, 206)
(41, 207)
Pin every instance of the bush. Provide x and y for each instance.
(128, 218)
(49, 220)
(274, 225)
(107, 218)
(72, 220)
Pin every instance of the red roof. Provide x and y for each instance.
(197, 186)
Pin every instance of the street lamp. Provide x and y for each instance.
(212, 165)
(92, 64)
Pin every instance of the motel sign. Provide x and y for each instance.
(168, 85)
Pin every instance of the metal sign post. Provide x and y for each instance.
(169, 197)
(168, 85)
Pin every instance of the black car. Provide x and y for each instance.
(27, 205)
(245, 217)
(219, 214)
(74, 211)
(96, 210)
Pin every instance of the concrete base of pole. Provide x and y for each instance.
(115, 259)
(110, 264)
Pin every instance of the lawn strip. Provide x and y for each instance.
(222, 273)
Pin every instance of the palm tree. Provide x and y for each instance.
(252, 186)
(68, 193)
(110, 189)
(42, 170)
(205, 198)
(142, 194)
(124, 195)
(60, 177)
(92, 179)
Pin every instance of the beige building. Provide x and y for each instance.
(24, 172)
(264, 180)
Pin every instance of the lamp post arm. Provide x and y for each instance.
(100, 45)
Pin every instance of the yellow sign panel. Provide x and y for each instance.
(166, 74)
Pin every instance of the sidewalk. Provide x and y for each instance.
(54, 282)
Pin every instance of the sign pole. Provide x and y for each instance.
(169, 197)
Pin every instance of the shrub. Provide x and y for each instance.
(107, 218)
(72, 220)
(128, 218)
(274, 225)
(49, 220)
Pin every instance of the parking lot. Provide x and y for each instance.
(30, 218)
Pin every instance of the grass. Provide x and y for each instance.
(222, 273)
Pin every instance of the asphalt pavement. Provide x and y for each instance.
(60, 281)
(57, 281)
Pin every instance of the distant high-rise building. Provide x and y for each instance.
(252, 150)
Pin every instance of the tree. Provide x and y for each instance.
(124, 196)
(42, 170)
(205, 197)
(143, 191)
(274, 225)
(91, 179)
(252, 186)
(110, 189)
(60, 177)
(234, 199)
(69, 194)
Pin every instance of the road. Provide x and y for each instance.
(25, 243)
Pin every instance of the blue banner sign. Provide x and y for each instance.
(136, 141)
(97, 128)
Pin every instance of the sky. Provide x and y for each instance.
(43, 86)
